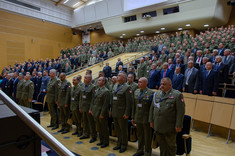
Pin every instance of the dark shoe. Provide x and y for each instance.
(64, 132)
(61, 130)
(104, 145)
(122, 150)
(55, 127)
(138, 154)
(99, 144)
(79, 134)
(75, 133)
(92, 140)
(49, 126)
(84, 137)
(116, 148)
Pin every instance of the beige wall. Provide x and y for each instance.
(100, 36)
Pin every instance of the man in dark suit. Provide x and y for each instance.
(203, 66)
(118, 64)
(107, 71)
(195, 49)
(154, 77)
(178, 79)
(15, 82)
(179, 64)
(165, 72)
(198, 59)
(191, 79)
(171, 66)
(221, 49)
(58, 67)
(212, 58)
(227, 58)
(209, 81)
(222, 70)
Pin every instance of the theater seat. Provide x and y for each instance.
(183, 139)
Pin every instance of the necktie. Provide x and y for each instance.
(225, 59)
(151, 73)
(207, 73)
(217, 66)
(164, 74)
(198, 60)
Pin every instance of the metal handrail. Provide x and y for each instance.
(35, 126)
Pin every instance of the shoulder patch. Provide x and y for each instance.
(182, 99)
(130, 91)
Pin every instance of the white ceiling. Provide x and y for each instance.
(73, 4)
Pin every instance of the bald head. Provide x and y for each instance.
(142, 83)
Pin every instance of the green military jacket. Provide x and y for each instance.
(148, 69)
(27, 90)
(121, 49)
(122, 100)
(101, 102)
(141, 68)
(167, 111)
(163, 58)
(110, 54)
(19, 91)
(64, 91)
(86, 97)
(141, 106)
(133, 86)
(75, 96)
(52, 90)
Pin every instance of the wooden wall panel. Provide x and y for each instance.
(100, 36)
(27, 38)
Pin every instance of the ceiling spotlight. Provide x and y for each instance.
(187, 25)
(66, 1)
(206, 25)
(180, 28)
(141, 31)
(123, 34)
(157, 32)
(137, 34)
(163, 28)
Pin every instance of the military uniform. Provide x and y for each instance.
(64, 91)
(140, 114)
(19, 91)
(87, 97)
(52, 90)
(101, 107)
(27, 93)
(121, 105)
(141, 69)
(74, 106)
(167, 112)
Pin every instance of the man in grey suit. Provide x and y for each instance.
(191, 79)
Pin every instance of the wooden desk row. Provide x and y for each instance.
(214, 110)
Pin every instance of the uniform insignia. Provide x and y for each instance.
(171, 97)
(69, 86)
(182, 100)
(130, 91)
(31, 85)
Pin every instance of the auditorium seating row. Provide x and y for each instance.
(213, 110)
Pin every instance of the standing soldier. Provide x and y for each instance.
(63, 101)
(121, 108)
(131, 83)
(140, 114)
(27, 91)
(141, 69)
(86, 99)
(166, 116)
(43, 88)
(19, 89)
(52, 89)
(100, 110)
(74, 106)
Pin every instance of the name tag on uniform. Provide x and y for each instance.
(139, 105)
(84, 96)
(157, 105)
(114, 98)
(72, 99)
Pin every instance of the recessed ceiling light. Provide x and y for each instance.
(180, 28)
(66, 1)
(187, 25)
(123, 34)
(206, 25)
(141, 31)
(137, 34)
(163, 28)
(157, 32)
(76, 4)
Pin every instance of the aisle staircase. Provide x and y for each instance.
(125, 58)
